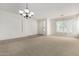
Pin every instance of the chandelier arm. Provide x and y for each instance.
(26, 12)
(26, 5)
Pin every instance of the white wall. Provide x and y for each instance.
(11, 27)
(77, 26)
(51, 26)
(40, 26)
(30, 27)
(48, 26)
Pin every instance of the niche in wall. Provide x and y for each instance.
(42, 27)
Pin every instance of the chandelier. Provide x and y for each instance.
(26, 13)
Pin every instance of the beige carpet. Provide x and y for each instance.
(40, 46)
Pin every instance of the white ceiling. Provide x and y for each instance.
(43, 10)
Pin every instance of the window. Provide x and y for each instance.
(64, 26)
(59, 26)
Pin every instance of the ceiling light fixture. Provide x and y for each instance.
(26, 13)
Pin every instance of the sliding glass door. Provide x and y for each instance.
(67, 26)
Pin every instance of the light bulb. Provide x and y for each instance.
(31, 13)
(21, 12)
(26, 10)
(24, 14)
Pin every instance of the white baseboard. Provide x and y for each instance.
(5, 37)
